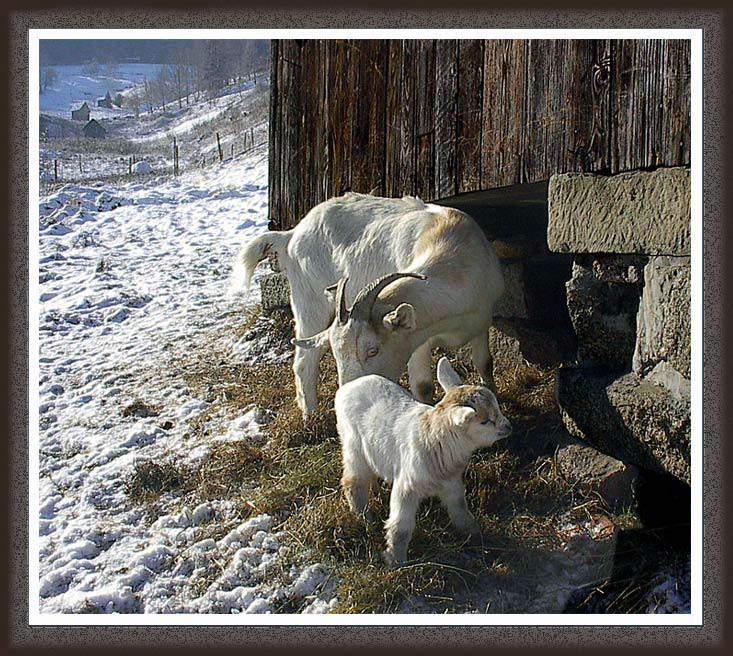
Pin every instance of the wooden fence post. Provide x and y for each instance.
(129, 168)
(80, 169)
(251, 137)
(55, 170)
(218, 145)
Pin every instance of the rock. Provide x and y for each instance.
(275, 292)
(586, 467)
(643, 212)
(666, 375)
(603, 313)
(507, 250)
(535, 288)
(631, 419)
(515, 342)
(513, 302)
(142, 168)
(663, 321)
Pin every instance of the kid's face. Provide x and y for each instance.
(477, 410)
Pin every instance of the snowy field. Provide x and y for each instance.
(76, 84)
(128, 275)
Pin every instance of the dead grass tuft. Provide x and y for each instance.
(150, 479)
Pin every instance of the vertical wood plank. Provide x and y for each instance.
(470, 105)
(502, 136)
(567, 112)
(292, 123)
(274, 159)
(394, 118)
(445, 108)
(368, 136)
(325, 125)
(676, 94)
(406, 172)
(651, 104)
(340, 72)
(425, 120)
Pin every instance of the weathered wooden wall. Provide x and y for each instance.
(438, 118)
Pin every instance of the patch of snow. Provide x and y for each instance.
(130, 275)
(142, 167)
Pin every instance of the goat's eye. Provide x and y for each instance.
(488, 421)
(372, 351)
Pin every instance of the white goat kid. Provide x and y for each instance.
(422, 449)
(364, 238)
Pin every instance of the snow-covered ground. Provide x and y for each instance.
(77, 84)
(128, 276)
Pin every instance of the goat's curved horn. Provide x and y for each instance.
(342, 313)
(367, 297)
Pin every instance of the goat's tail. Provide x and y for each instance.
(252, 254)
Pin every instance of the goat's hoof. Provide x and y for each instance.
(392, 560)
(389, 559)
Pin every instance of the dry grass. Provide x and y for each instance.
(150, 479)
(514, 488)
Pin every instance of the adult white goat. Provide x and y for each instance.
(423, 450)
(444, 295)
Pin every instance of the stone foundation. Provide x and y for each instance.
(628, 393)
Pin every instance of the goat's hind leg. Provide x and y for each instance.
(482, 359)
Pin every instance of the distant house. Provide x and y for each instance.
(81, 114)
(105, 102)
(94, 130)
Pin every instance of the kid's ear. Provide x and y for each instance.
(462, 415)
(401, 318)
(447, 376)
(317, 341)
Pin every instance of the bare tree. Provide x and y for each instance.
(48, 78)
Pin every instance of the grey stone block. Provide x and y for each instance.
(535, 288)
(603, 306)
(631, 419)
(515, 342)
(513, 302)
(643, 212)
(583, 466)
(663, 321)
(275, 292)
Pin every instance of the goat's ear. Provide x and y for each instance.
(447, 376)
(462, 415)
(401, 318)
(317, 341)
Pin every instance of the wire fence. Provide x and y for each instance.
(86, 167)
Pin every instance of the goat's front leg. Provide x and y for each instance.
(403, 505)
(305, 368)
(482, 359)
(420, 374)
(453, 497)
